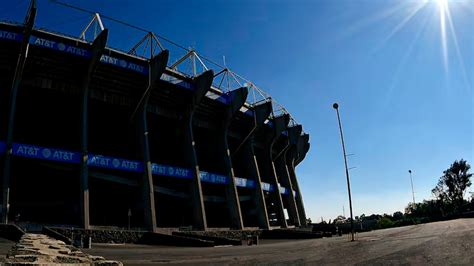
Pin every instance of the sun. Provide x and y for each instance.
(440, 16)
(442, 2)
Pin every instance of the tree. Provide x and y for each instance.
(453, 184)
(397, 216)
(384, 222)
(339, 220)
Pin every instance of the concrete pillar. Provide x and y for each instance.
(280, 124)
(202, 84)
(98, 47)
(261, 113)
(304, 151)
(293, 135)
(245, 152)
(237, 100)
(157, 66)
(30, 21)
(294, 155)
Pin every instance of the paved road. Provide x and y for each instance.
(5, 246)
(441, 243)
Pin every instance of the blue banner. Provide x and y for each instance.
(164, 170)
(243, 182)
(71, 49)
(107, 59)
(37, 152)
(267, 187)
(12, 36)
(59, 46)
(2, 147)
(213, 178)
(284, 190)
(101, 161)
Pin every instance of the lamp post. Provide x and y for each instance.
(336, 106)
(412, 190)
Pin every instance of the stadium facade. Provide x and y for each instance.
(92, 136)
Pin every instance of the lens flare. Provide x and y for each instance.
(443, 11)
(442, 3)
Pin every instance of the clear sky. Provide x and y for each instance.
(401, 70)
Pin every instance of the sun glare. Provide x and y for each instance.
(446, 30)
(444, 13)
(442, 3)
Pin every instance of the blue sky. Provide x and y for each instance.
(406, 97)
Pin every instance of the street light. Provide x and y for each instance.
(336, 106)
(412, 190)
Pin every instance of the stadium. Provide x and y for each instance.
(92, 136)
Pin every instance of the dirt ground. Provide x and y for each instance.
(440, 243)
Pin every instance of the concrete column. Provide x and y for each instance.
(293, 156)
(260, 114)
(304, 150)
(237, 100)
(293, 135)
(98, 47)
(280, 124)
(157, 66)
(202, 84)
(30, 21)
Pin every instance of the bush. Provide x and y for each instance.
(384, 223)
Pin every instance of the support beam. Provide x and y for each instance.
(261, 113)
(280, 124)
(17, 79)
(293, 156)
(98, 47)
(202, 84)
(293, 135)
(157, 66)
(237, 100)
(302, 154)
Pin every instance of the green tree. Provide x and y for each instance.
(339, 220)
(453, 184)
(397, 216)
(384, 222)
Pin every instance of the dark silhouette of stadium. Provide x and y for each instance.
(92, 136)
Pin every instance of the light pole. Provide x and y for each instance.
(412, 190)
(336, 106)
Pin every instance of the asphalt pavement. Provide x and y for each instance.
(440, 243)
(5, 246)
